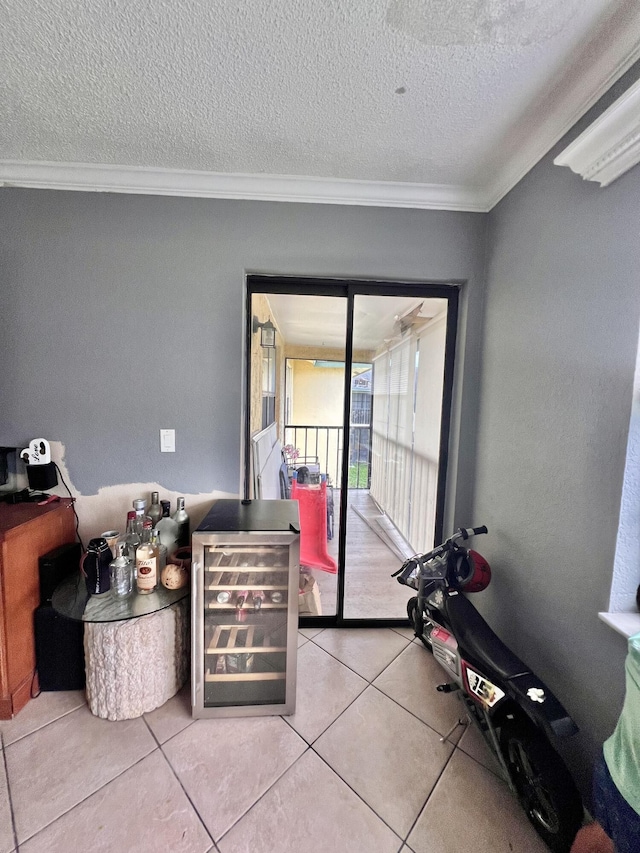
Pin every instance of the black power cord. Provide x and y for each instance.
(73, 505)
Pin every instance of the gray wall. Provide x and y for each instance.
(122, 314)
(559, 344)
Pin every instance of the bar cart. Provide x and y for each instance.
(244, 619)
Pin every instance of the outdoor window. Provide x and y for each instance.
(268, 386)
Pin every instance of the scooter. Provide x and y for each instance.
(514, 710)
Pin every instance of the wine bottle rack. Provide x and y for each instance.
(240, 641)
(245, 591)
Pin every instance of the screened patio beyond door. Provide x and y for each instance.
(360, 382)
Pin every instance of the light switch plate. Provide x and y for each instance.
(168, 440)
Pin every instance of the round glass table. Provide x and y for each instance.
(136, 649)
(72, 600)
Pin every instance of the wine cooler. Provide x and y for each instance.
(245, 576)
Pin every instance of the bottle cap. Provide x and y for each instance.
(140, 505)
(131, 514)
(180, 503)
(154, 497)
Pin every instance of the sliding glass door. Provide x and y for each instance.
(355, 430)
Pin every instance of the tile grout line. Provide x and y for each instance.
(310, 743)
(45, 725)
(435, 731)
(189, 800)
(264, 793)
(6, 776)
(430, 794)
(362, 800)
(309, 747)
(413, 714)
(311, 640)
(333, 770)
(75, 805)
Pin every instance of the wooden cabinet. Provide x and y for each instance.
(27, 531)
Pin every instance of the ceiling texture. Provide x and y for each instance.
(415, 103)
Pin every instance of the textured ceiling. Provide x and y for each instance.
(467, 93)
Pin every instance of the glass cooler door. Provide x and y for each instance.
(246, 585)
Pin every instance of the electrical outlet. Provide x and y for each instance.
(168, 440)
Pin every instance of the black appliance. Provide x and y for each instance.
(59, 641)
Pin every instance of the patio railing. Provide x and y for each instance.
(324, 445)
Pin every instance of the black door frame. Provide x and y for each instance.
(349, 289)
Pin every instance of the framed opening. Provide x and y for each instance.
(356, 430)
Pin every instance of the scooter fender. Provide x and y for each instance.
(482, 647)
(540, 705)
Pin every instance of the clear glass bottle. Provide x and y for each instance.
(140, 507)
(122, 571)
(147, 560)
(155, 510)
(257, 597)
(131, 538)
(167, 529)
(162, 549)
(181, 518)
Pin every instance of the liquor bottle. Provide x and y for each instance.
(257, 597)
(162, 549)
(155, 510)
(223, 597)
(132, 538)
(147, 562)
(140, 507)
(276, 596)
(181, 518)
(167, 529)
(121, 571)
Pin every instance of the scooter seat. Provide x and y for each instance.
(478, 642)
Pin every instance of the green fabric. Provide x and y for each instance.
(622, 749)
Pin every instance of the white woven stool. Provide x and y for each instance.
(136, 665)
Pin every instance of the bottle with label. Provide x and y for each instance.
(167, 529)
(181, 518)
(132, 538)
(162, 549)
(147, 559)
(155, 510)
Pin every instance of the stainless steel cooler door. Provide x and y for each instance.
(245, 596)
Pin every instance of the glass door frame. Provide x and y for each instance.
(349, 289)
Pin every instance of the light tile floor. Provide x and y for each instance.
(359, 768)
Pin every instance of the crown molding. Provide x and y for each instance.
(88, 177)
(611, 145)
(553, 128)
